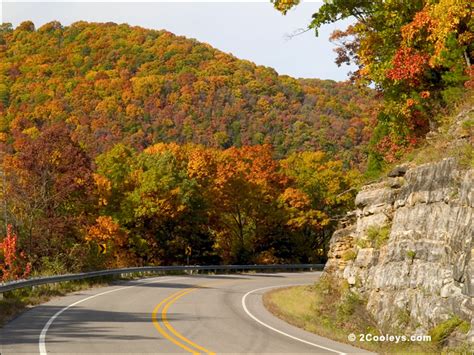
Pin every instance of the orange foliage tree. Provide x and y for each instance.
(234, 205)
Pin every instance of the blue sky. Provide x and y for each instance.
(249, 30)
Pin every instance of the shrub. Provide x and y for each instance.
(464, 327)
(403, 317)
(411, 255)
(363, 243)
(378, 236)
(443, 330)
(350, 254)
(348, 305)
(465, 156)
(52, 266)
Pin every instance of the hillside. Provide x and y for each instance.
(153, 144)
(116, 83)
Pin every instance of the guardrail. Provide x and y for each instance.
(13, 285)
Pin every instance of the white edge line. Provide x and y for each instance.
(277, 330)
(42, 337)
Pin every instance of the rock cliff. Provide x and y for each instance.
(408, 247)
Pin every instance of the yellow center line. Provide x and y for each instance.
(174, 331)
(163, 332)
(167, 302)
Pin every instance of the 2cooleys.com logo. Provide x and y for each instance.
(387, 337)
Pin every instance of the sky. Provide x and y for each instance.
(249, 30)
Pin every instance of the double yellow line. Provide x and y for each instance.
(172, 334)
(179, 339)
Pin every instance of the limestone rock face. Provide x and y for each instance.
(413, 237)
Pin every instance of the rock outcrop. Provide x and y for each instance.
(408, 247)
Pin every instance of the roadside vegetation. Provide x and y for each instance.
(17, 301)
(330, 309)
(148, 207)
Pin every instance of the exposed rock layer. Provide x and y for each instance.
(408, 247)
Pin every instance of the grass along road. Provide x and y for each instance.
(335, 313)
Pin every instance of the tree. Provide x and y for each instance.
(418, 53)
(120, 84)
(14, 265)
(107, 231)
(155, 199)
(246, 186)
(48, 184)
(325, 191)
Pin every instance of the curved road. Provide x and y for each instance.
(202, 314)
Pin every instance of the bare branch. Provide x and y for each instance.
(297, 32)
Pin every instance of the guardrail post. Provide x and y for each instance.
(1, 296)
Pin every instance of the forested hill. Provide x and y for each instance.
(116, 83)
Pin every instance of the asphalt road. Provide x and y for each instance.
(170, 314)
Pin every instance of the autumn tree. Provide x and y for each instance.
(106, 231)
(325, 186)
(233, 206)
(418, 53)
(120, 84)
(48, 179)
(13, 263)
(155, 201)
(245, 190)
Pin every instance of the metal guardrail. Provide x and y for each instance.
(13, 285)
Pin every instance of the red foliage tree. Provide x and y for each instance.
(409, 65)
(14, 265)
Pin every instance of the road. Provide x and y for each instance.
(171, 314)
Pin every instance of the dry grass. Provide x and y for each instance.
(330, 310)
(447, 144)
(291, 304)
